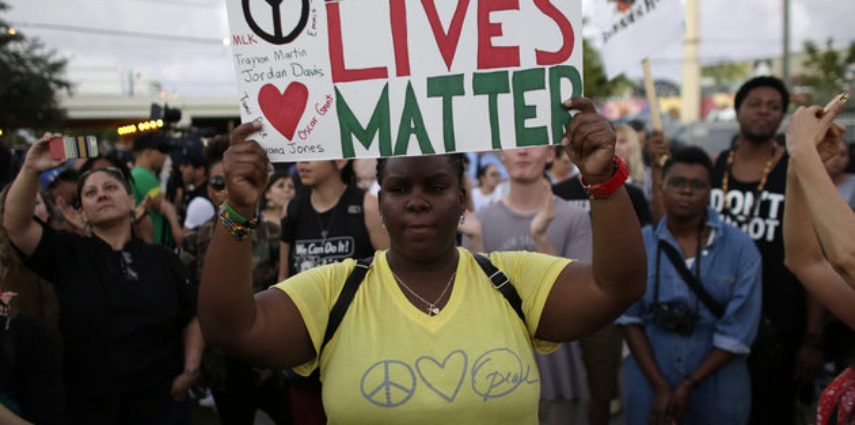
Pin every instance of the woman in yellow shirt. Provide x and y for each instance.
(426, 337)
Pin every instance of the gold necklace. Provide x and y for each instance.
(756, 192)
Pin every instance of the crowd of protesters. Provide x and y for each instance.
(740, 310)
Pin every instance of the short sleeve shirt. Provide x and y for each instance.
(316, 239)
(122, 317)
(145, 181)
(390, 363)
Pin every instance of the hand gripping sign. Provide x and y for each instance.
(379, 78)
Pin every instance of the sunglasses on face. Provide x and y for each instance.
(681, 183)
(217, 182)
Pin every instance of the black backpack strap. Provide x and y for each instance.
(501, 282)
(345, 298)
(691, 280)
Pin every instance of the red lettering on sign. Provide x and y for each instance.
(340, 73)
(323, 109)
(490, 56)
(447, 42)
(398, 16)
(244, 40)
(307, 131)
(552, 58)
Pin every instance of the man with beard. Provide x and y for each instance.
(749, 182)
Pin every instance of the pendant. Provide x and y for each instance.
(432, 311)
(324, 234)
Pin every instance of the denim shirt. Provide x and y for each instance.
(731, 269)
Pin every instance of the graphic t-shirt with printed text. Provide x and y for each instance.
(783, 295)
(391, 363)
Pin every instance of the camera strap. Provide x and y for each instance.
(692, 281)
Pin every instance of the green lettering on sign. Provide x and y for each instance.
(560, 115)
(351, 127)
(492, 84)
(446, 87)
(524, 81)
(412, 123)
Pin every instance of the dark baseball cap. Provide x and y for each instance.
(151, 141)
(191, 154)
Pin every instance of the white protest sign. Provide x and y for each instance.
(631, 30)
(372, 78)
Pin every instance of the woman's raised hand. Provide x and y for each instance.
(812, 128)
(38, 157)
(589, 141)
(246, 168)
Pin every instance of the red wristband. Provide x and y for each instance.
(605, 189)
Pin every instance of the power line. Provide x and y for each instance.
(120, 33)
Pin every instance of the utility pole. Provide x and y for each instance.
(786, 56)
(690, 98)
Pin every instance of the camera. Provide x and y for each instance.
(674, 317)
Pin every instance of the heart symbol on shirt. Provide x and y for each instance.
(440, 376)
(284, 110)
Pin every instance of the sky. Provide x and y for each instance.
(180, 42)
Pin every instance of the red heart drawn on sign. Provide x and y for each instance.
(284, 110)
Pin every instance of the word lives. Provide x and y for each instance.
(499, 77)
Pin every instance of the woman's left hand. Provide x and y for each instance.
(590, 141)
(809, 128)
(181, 385)
(678, 403)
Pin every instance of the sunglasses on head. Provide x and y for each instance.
(217, 182)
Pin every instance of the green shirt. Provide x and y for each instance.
(145, 181)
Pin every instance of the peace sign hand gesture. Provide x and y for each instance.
(589, 141)
(246, 168)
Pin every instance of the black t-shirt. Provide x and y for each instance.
(572, 190)
(123, 315)
(30, 371)
(346, 236)
(783, 295)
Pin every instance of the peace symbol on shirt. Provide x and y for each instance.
(276, 17)
(388, 383)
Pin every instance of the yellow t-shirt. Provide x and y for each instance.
(391, 363)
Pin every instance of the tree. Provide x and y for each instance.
(597, 85)
(31, 80)
(726, 72)
(828, 71)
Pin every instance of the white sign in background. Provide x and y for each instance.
(632, 30)
(373, 78)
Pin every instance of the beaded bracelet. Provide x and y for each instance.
(237, 226)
